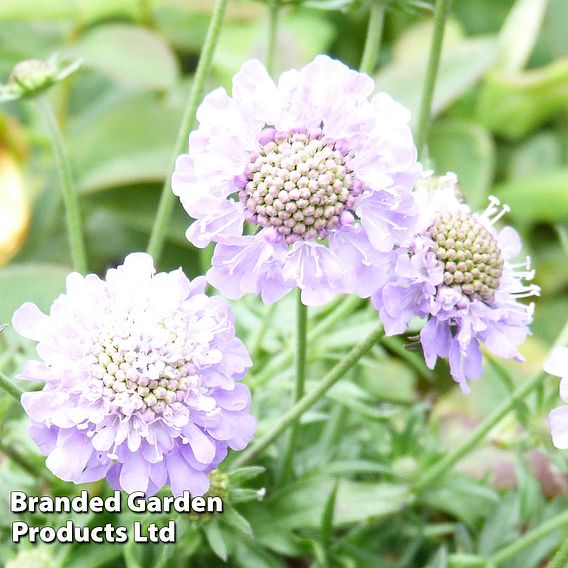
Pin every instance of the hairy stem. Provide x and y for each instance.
(285, 358)
(299, 387)
(68, 190)
(560, 559)
(435, 472)
(309, 399)
(9, 387)
(530, 538)
(159, 230)
(374, 35)
(440, 16)
(272, 40)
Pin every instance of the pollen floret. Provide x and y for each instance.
(456, 272)
(304, 182)
(141, 373)
(300, 183)
(469, 252)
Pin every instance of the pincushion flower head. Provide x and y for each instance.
(458, 274)
(557, 364)
(141, 376)
(302, 183)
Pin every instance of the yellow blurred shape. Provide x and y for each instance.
(14, 207)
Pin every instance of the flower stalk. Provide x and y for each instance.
(560, 559)
(310, 398)
(532, 537)
(436, 472)
(9, 387)
(299, 387)
(167, 200)
(371, 51)
(440, 17)
(285, 358)
(69, 192)
(272, 41)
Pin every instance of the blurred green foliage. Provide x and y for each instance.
(500, 122)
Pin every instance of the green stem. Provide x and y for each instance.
(530, 538)
(435, 472)
(272, 42)
(159, 230)
(309, 399)
(374, 35)
(70, 198)
(440, 16)
(23, 462)
(285, 358)
(300, 385)
(9, 387)
(560, 559)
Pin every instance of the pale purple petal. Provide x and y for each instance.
(558, 422)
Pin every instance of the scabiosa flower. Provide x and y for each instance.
(302, 183)
(456, 273)
(141, 378)
(557, 364)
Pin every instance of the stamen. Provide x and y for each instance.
(526, 291)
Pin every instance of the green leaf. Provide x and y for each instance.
(129, 55)
(234, 519)
(467, 149)
(301, 36)
(327, 517)
(501, 527)
(41, 10)
(513, 105)
(245, 473)
(514, 47)
(467, 561)
(37, 283)
(463, 498)
(461, 67)
(216, 540)
(139, 150)
(540, 152)
(355, 502)
(537, 198)
(251, 553)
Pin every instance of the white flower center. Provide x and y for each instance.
(135, 377)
